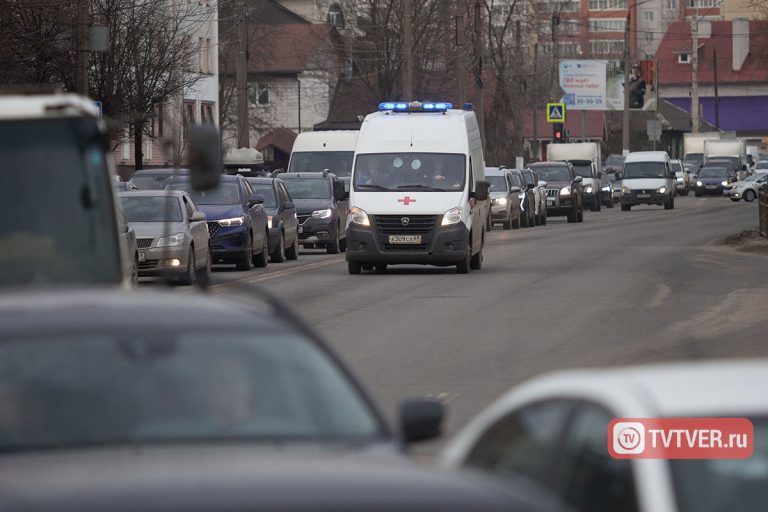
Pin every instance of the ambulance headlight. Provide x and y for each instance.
(452, 216)
(358, 216)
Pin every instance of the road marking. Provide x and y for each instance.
(279, 273)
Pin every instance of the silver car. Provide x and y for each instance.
(505, 204)
(747, 189)
(171, 234)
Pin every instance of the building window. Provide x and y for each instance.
(607, 5)
(336, 17)
(557, 6)
(702, 4)
(206, 113)
(648, 15)
(606, 47)
(205, 55)
(684, 58)
(607, 25)
(671, 5)
(188, 116)
(262, 96)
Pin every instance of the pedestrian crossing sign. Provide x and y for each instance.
(555, 112)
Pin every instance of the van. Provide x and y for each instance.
(647, 178)
(320, 151)
(418, 193)
(585, 158)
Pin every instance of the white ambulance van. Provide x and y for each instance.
(418, 193)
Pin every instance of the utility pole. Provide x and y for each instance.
(536, 151)
(479, 70)
(458, 17)
(81, 39)
(243, 135)
(407, 50)
(555, 56)
(625, 118)
(694, 76)
(717, 95)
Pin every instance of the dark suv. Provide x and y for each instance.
(237, 222)
(322, 209)
(565, 195)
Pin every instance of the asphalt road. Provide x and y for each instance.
(621, 288)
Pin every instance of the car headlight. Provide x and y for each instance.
(358, 216)
(452, 216)
(680, 179)
(234, 221)
(500, 201)
(171, 241)
(724, 183)
(565, 191)
(322, 214)
(661, 190)
(269, 221)
(606, 188)
(626, 190)
(588, 189)
(699, 184)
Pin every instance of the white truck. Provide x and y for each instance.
(586, 160)
(731, 150)
(693, 146)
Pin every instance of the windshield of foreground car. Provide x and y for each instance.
(498, 183)
(713, 485)
(713, 172)
(224, 193)
(644, 170)
(309, 188)
(338, 162)
(129, 387)
(267, 191)
(554, 173)
(58, 215)
(151, 209)
(429, 172)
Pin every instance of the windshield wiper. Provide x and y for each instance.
(374, 187)
(422, 187)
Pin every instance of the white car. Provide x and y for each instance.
(553, 430)
(747, 188)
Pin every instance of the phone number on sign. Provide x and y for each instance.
(589, 101)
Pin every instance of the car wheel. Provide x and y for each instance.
(463, 267)
(507, 224)
(670, 204)
(595, 207)
(246, 261)
(544, 217)
(580, 217)
(536, 218)
(279, 255)
(333, 248)
(261, 259)
(189, 275)
(697, 194)
(343, 244)
(524, 219)
(354, 267)
(749, 195)
(516, 222)
(292, 253)
(573, 215)
(476, 262)
(488, 222)
(135, 271)
(626, 207)
(204, 272)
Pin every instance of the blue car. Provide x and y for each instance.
(237, 222)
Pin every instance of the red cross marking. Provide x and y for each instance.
(406, 200)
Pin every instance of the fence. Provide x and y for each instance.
(763, 199)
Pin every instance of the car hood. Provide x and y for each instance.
(558, 184)
(712, 181)
(643, 183)
(242, 476)
(221, 211)
(414, 203)
(310, 205)
(157, 229)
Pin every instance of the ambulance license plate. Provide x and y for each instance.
(405, 239)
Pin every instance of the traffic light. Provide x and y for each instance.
(558, 133)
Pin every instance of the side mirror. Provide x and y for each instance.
(254, 200)
(542, 183)
(515, 190)
(578, 179)
(339, 194)
(421, 419)
(481, 191)
(198, 216)
(288, 205)
(205, 166)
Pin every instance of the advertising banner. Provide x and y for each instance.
(599, 85)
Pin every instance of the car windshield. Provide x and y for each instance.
(150, 181)
(696, 158)
(498, 183)
(754, 177)
(583, 169)
(676, 167)
(644, 170)
(267, 191)
(762, 164)
(615, 160)
(132, 387)
(713, 172)
(58, 215)
(151, 209)
(728, 163)
(308, 188)
(711, 485)
(227, 192)
(338, 162)
(554, 173)
(430, 172)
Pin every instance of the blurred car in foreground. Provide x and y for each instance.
(553, 430)
(505, 203)
(747, 189)
(171, 234)
(155, 179)
(221, 405)
(282, 220)
(712, 180)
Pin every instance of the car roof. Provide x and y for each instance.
(495, 171)
(646, 156)
(548, 164)
(153, 193)
(260, 179)
(225, 178)
(304, 175)
(714, 167)
(159, 172)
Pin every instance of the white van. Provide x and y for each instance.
(647, 178)
(418, 193)
(331, 150)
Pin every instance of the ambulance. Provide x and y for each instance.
(418, 193)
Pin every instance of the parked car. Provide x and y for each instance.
(713, 180)
(321, 207)
(539, 195)
(564, 192)
(682, 181)
(237, 223)
(282, 220)
(747, 189)
(504, 194)
(613, 164)
(527, 198)
(171, 234)
(129, 247)
(155, 179)
(553, 431)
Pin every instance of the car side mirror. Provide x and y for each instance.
(515, 190)
(578, 179)
(481, 190)
(421, 419)
(254, 200)
(198, 216)
(205, 167)
(339, 194)
(288, 205)
(542, 183)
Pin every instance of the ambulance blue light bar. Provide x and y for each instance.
(415, 106)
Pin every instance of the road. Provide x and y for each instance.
(621, 288)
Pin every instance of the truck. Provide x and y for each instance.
(586, 160)
(693, 146)
(733, 150)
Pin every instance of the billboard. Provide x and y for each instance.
(599, 85)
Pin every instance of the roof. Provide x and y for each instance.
(303, 175)
(385, 131)
(675, 118)
(595, 122)
(646, 156)
(326, 140)
(282, 138)
(290, 48)
(678, 40)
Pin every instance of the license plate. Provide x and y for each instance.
(711, 186)
(550, 201)
(405, 239)
(301, 229)
(142, 257)
(643, 196)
